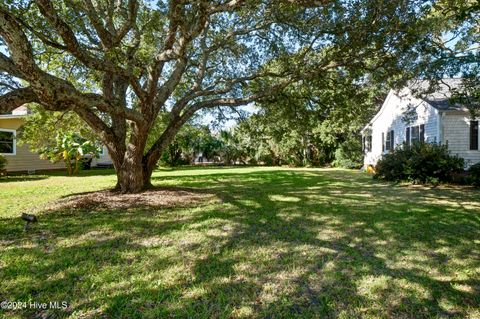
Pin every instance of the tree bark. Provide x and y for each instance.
(130, 178)
(109, 50)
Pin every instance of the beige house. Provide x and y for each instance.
(20, 158)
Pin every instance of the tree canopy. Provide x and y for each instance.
(119, 65)
(452, 49)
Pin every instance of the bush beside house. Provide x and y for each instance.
(419, 163)
(73, 149)
(3, 163)
(474, 175)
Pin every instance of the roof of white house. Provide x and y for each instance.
(439, 94)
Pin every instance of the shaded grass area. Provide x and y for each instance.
(267, 243)
(29, 193)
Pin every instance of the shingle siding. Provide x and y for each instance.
(457, 135)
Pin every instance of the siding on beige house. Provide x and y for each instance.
(22, 158)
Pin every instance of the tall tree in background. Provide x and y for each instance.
(452, 49)
(121, 64)
(318, 117)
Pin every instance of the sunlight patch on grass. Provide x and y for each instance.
(283, 198)
(264, 242)
(243, 312)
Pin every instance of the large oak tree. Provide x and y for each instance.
(119, 64)
(453, 50)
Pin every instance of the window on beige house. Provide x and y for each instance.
(7, 142)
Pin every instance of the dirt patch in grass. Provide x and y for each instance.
(151, 198)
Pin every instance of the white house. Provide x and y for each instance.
(432, 119)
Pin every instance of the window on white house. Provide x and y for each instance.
(7, 142)
(389, 143)
(417, 134)
(367, 143)
(388, 146)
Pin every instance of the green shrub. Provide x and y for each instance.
(419, 163)
(349, 154)
(474, 174)
(3, 162)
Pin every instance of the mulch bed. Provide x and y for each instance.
(151, 198)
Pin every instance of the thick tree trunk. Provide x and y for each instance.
(148, 168)
(129, 167)
(130, 177)
(134, 169)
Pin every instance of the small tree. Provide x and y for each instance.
(71, 148)
(3, 162)
(349, 154)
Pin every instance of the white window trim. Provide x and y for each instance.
(14, 142)
(419, 135)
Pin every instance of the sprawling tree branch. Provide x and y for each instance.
(120, 64)
(16, 98)
(7, 66)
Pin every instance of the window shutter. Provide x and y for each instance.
(422, 133)
(407, 138)
(392, 139)
(383, 142)
(364, 148)
(473, 135)
(387, 141)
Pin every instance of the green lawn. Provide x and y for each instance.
(241, 243)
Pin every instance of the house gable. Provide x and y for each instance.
(399, 111)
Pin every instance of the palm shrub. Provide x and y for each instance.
(419, 163)
(71, 148)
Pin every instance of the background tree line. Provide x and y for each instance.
(136, 73)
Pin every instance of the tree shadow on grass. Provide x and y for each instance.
(274, 244)
(21, 178)
(16, 177)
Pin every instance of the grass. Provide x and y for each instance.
(265, 243)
